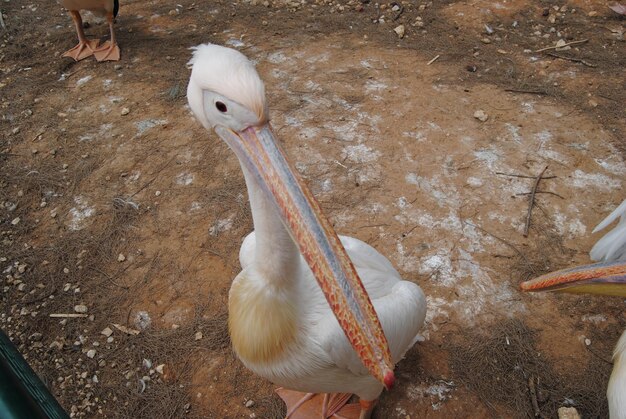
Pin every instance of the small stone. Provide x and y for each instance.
(198, 336)
(249, 403)
(481, 115)
(399, 30)
(587, 341)
(106, 332)
(15, 221)
(173, 12)
(159, 368)
(485, 41)
(568, 413)
(91, 353)
(80, 308)
(157, 193)
(125, 111)
(592, 13)
(16, 130)
(121, 258)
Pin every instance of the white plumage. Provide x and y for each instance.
(616, 392)
(611, 246)
(324, 361)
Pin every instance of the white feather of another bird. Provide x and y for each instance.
(612, 246)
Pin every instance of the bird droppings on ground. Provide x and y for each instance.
(388, 141)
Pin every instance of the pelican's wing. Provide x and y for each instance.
(376, 272)
(401, 313)
(620, 211)
(246, 252)
(612, 246)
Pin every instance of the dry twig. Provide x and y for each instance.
(533, 397)
(563, 46)
(433, 60)
(524, 176)
(532, 201)
(533, 92)
(575, 60)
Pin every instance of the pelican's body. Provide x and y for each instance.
(607, 278)
(87, 47)
(313, 354)
(305, 312)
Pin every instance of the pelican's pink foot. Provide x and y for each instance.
(316, 406)
(83, 50)
(107, 52)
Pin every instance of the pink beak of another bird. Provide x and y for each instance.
(261, 155)
(605, 278)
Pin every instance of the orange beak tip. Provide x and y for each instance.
(389, 380)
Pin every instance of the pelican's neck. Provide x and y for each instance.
(276, 258)
(616, 392)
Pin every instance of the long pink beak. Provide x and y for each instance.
(259, 151)
(606, 278)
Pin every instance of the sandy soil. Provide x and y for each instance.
(138, 214)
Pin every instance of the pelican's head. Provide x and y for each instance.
(226, 94)
(225, 89)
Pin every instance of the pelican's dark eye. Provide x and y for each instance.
(221, 106)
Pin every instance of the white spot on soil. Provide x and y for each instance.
(474, 182)
(438, 392)
(79, 213)
(374, 86)
(184, 179)
(276, 58)
(594, 180)
(360, 153)
(83, 80)
(224, 224)
(615, 166)
(142, 320)
(146, 124)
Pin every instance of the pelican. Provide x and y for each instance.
(607, 277)
(307, 308)
(109, 51)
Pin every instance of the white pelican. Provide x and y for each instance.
(608, 278)
(298, 288)
(109, 51)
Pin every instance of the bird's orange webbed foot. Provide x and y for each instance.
(107, 52)
(83, 50)
(316, 406)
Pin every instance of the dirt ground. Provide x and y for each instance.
(118, 206)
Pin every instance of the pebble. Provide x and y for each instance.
(159, 368)
(125, 111)
(121, 258)
(485, 41)
(568, 413)
(198, 336)
(91, 353)
(399, 30)
(587, 341)
(249, 403)
(15, 221)
(107, 331)
(481, 115)
(80, 308)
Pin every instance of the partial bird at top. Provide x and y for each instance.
(109, 51)
(606, 278)
(307, 309)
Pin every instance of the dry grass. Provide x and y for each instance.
(498, 365)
